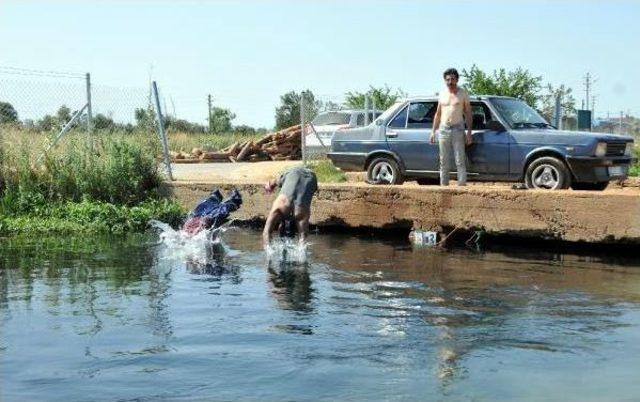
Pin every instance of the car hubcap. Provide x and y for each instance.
(383, 173)
(546, 176)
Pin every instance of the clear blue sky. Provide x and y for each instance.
(248, 53)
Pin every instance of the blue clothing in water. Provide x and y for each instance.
(215, 210)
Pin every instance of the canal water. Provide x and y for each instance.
(103, 319)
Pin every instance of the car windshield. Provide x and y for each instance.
(390, 111)
(332, 119)
(518, 114)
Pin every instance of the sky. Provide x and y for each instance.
(248, 53)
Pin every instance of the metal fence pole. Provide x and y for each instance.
(89, 110)
(366, 110)
(558, 113)
(161, 133)
(302, 128)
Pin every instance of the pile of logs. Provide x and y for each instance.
(281, 145)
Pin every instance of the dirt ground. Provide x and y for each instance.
(258, 172)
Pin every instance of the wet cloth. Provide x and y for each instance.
(213, 211)
(451, 141)
(298, 184)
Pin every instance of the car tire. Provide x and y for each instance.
(428, 181)
(599, 186)
(384, 170)
(548, 173)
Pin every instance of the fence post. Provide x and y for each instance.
(374, 107)
(558, 113)
(163, 135)
(302, 129)
(89, 110)
(366, 110)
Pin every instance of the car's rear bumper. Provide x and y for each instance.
(348, 161)
(589, 169)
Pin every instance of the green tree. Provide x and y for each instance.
(221, 120)
(382, 97)
(567, 103)
(63, 114)
(288, 113)
(47, 123)
(102, 122)
(8, 113)
(519, 83)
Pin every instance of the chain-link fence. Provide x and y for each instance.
(322, 116)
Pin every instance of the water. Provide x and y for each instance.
(105, 319)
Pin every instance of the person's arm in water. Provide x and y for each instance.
(279, 209)
(468, 117)
(436, 124)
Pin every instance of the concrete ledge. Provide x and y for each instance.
(596, 217)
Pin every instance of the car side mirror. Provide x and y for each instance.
(494, 125)
(379, 122)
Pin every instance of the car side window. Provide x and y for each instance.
(481, 115)
(400, 121)
(360, 120)
(421, 114)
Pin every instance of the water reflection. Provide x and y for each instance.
(378, 320)
(291, 286)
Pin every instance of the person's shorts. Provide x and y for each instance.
(299, 186)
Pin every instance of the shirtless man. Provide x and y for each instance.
(453, 103)
(297, 186)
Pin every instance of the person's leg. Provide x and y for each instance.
(458, 142)
(302, 214)
(444, 143)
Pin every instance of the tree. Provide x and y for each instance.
(221, 120)
(102, 122)
(8, 113)
(382, 97)
(567, 103)
(63, 114)
(144, 118)
(244, 130)
(47, 123)
(288, 113)
(519, 83)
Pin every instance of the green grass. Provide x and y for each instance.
(327, 172)
(634, 170)
(106, 184)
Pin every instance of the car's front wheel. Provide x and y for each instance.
(548, 173)
(384, 170)
(599, 186)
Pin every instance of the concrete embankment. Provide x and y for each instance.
(595, 217)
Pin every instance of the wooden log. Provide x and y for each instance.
(214, 155)
(245, 151)
(233, 149)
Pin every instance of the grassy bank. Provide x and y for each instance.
(99, 184)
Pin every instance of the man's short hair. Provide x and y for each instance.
(451, 71)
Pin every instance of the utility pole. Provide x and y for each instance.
(209, 100)
(621, 117)
(587, 87)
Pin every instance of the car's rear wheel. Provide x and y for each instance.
(384, 170)
(599, 186)
(547, 173)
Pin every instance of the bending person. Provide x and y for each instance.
(297, 186)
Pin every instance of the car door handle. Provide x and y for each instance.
(392, 134)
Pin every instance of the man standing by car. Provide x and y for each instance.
(453, 103)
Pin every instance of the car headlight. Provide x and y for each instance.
(601, 149)
(628, 149)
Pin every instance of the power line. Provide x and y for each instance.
(39, 73)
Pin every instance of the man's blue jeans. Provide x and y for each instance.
(452, 141)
